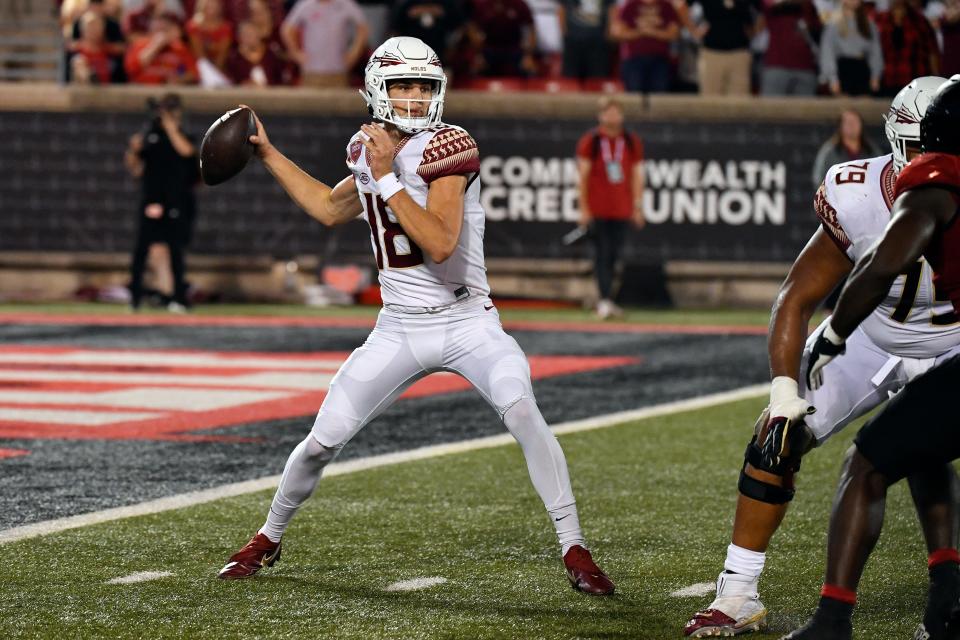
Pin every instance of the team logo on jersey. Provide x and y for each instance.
(902, 116)
(356, 147)
(364, 178)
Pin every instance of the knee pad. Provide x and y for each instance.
(777, 448)
(332, 430)
(317, 451)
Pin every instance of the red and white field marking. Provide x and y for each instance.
(56, 392)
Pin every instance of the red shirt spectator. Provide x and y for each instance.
(138, 22)
(950, 30)
(909, 46)
(612, 160)
(91, 62)
(252, 62)
(162, 57)
(654, 23)
(794, 27)
(210, 35)
(504, 32)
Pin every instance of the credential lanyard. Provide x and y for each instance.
(613, 161)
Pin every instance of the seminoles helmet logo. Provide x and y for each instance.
(387, 59)
(902, 116)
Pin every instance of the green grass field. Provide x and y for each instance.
(656, 499)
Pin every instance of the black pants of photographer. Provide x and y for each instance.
(153, 231)
(608, 237)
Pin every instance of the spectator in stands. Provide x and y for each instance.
(909, 46)
(317, 35)
(646, 29)
(439, 23)
(504, 37)
(162, 57)
(546, 26)
(851, 60)
(136, 21)
(585, 25)
(848, 142)
(724, 65)
(261, 16)
(210, 36)
(164, 157)
(91, 62)
(114, 42)
(610, 166)
(790, 62)
(72, 10)
(252, 62)
(950, 32)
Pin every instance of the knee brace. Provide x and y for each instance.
(776, 448)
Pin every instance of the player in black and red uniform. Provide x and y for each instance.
(919, 427)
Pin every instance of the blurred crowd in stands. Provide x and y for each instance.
(772, 47)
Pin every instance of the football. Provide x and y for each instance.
(226, 146)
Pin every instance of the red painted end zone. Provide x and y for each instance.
(56, 392)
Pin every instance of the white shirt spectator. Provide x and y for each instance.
(327, 29)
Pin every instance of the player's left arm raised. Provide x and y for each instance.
(436, 228)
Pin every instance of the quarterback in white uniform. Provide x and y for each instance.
(912, 331)
(414, 179)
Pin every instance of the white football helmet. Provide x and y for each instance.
(404, 58)
(902, 122)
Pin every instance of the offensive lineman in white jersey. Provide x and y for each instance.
(415, 180)
(912, 331)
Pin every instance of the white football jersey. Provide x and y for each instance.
(407, 275)
(854, 205)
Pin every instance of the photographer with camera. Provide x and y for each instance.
(165, 160)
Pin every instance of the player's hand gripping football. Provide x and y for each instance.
(381, 148)
(260, 141)
(826, 347)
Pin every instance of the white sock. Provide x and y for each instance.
(300, 476)
(567, 523)
(548, 469)
(744, 561)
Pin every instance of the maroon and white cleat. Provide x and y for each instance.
(584, 574)
(736, 610)
(254, 555)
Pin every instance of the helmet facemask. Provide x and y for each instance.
(384, 107)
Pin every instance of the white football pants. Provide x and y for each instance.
(466, 339)
(862, 378)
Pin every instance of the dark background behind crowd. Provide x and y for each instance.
(774, 47)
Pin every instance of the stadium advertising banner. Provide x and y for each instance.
(715, 191)
(731, 191)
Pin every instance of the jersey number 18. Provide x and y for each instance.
(386, 234)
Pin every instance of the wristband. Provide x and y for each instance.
(783, 389)
(389, 185)
(832, 336)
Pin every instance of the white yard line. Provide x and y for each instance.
(140, 576)
(697, 590)
(415, 584)
(372, 462)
